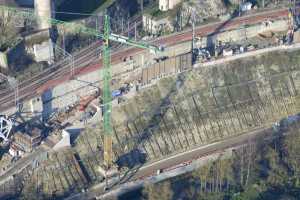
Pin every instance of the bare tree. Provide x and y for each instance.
(7, 30)
(250, 153)
(161, 191)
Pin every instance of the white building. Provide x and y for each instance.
(165, 5)
(246, 6)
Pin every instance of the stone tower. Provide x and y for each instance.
(43, 8)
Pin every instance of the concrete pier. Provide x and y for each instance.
(43, 9)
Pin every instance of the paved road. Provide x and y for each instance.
(86, 60)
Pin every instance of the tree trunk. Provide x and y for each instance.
(142, 6)
(242, 168)
(249, 162)
(205, 184)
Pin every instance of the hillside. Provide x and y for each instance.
(262, 170)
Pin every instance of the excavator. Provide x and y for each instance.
(85, 101)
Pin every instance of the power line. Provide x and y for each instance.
(74, 13)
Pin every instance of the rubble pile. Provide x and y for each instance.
(203, 9)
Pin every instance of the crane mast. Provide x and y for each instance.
(107, 96)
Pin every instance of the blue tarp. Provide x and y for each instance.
(116, 93)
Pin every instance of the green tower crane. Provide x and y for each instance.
(107, 126)
(107, 36)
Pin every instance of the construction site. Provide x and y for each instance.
(112, 115)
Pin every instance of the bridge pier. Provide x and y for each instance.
(43, 9)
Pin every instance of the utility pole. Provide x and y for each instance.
(193, 29)
(181, 20)
(294, 7)
(142, 9)
(97, 23)
(17, 94)
(64, 44)
(142, 6)
(72, 66)
(128, 35)
(193, 36)
(245, 31)
(135, 31)
(66, 54)
(13, 83)
(122, 25)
